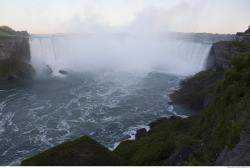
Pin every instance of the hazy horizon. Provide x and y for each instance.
(119, 16)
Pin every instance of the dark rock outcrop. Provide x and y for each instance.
(81, 152)
(63, 72)
(141, 133)
(240, 154)
(222, 52)
(14, 54)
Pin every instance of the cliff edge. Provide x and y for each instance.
(14, 54)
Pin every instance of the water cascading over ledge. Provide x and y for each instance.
(117, 52)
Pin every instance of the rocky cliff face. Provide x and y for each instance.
(222, 52)
(239, 155)
(14, 55)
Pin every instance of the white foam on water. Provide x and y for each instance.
(132, 133)
(106, 119)
(115, 146)
(6, 120)
(171, 110)
(37, 108)
(133, 130)
(63, 125)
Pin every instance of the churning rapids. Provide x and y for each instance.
(113, 86)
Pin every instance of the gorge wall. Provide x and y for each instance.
(14, 54)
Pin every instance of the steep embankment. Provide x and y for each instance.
(14, 54)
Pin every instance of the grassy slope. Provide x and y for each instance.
(218, 125)
(83, 151)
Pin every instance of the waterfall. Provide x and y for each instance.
(116, 52)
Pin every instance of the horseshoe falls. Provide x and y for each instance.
(117, 53)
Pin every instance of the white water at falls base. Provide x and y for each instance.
(117, 52)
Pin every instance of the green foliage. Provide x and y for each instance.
(196, 89)
(165, 138)
(230, 109)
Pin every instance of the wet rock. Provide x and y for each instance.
(140, 133)
(49, 71)
(63, 72)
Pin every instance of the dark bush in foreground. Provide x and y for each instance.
(81, 152)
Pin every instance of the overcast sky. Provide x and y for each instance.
(58, 16)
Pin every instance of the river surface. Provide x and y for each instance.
(108, 106)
